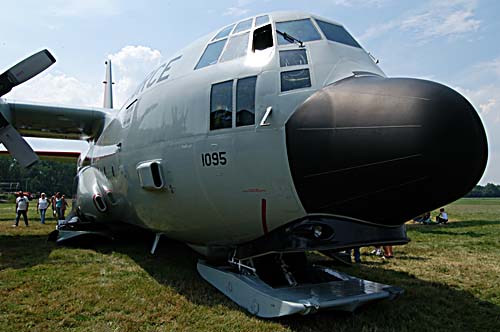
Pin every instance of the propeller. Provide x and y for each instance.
(20, 73)
(24, 70)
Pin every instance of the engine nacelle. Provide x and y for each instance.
(94, 198)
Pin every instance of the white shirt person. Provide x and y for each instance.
(43, 205)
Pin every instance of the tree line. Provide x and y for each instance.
(489, 190)
(45, 176)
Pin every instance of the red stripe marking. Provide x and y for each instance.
(264, 215)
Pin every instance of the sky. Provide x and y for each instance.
(454, 42)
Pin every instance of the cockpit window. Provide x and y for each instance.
(302, 30)
(211, 54)
(224, 32)
(337, 34)
(260, 20)
(245, 101)
(242, 26)
(293, 58)
(295, 79)
(262, 38)
(236, 47)
(221, 105)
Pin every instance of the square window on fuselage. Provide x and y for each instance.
(221, 105)
(293, 58)
(245, 101)
(295, 79)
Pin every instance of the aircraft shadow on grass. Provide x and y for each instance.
(18, 252)
(424, 304)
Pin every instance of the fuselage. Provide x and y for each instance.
(234, 136)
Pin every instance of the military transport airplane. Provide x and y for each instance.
(270, 137)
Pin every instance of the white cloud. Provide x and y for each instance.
(489, 67)
(486, 100)
(440, 24)
(240, 9)
(84, 8)
(485, 93)
(378, 30)
(481, 85)
(490, 106)
(443, 18)
(58, 88)
(130, 67)
(235, 11)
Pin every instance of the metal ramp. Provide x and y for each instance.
(345, 293)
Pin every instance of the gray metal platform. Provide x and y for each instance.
(346, 293)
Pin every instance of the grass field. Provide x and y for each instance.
(451, 275)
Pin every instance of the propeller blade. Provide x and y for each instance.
(25, 70)
(16, 144)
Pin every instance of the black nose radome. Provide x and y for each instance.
(384, 150)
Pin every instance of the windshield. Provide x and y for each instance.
(337, 33)
(301, 30)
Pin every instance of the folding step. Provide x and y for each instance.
(345, 293)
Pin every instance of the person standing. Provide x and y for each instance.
(64, 205)
(53, 205)
(59, 205)
(22, 205)
(42, 206)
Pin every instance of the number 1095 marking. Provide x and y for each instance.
(213, 159)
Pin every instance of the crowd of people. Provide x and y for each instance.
(57, 202)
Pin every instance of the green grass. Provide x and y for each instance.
(451, 275)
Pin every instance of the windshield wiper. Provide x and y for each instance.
(290, 38)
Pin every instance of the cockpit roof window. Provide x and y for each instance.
(211, 54)
(236, 47)
(337, 34)
(224, 32)
(302, 30)
(243, 26)
(260, 20)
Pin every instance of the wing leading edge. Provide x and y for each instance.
(54, 121)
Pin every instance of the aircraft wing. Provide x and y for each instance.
(40, 120)
(49, 121)
(53, 121)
